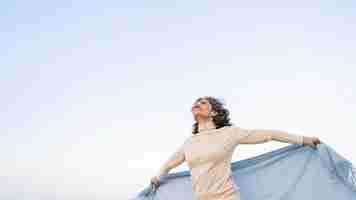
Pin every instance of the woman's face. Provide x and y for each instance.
(201, 108)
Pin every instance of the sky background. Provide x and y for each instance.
(95, 96)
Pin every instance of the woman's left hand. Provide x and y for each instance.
(312, 142)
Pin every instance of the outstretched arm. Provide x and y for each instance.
(257, 136)
(174, 160)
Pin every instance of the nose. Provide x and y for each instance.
(197, 105)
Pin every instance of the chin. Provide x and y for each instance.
(199, 115)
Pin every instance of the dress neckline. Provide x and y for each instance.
(209, 131)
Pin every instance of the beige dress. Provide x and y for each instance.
(208, 155)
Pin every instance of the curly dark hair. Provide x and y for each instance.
(221, 119)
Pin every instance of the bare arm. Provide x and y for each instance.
(257, 136)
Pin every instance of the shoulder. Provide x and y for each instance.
(232, 128)
(239, 132)
(238, 129)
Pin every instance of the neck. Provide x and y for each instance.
(205, 124)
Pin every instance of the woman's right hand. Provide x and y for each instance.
(311, 141)
(156, 181)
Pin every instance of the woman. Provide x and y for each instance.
(208, 151)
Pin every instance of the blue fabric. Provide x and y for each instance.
(294, 172)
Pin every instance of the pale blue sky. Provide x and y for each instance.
(96, 95)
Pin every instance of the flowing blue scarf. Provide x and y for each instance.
(294, 172)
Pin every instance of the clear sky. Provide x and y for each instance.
(95, 96)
